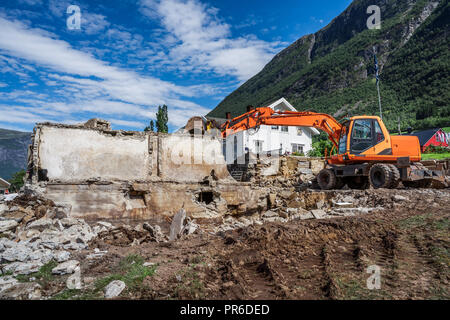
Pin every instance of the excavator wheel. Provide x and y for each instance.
(395, 176)
(358, 183)
(326, 179)
(380, 176)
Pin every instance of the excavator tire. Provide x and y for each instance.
(380, 176)
(358, 183)
(395, 176)
(326, 179)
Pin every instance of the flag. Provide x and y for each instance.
(377, 74)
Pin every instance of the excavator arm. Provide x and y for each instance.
(267, 116)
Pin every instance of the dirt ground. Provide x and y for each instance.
(302, 259)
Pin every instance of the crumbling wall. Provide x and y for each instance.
(189, 158)
(69, 154)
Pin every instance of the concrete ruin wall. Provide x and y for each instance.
(70, 154)
(105, 174)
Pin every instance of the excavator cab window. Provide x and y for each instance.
(366, 133)
(343, 138)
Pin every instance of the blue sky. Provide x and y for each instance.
(128, 57)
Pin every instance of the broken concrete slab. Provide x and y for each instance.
(318, 213)
(177, 225)
(22, 291)
(7, 282)
(41, 224)
(8, 225)
(114, 289)
(23, 268)
(66, 267)
(19, 252)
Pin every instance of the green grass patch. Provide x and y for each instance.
(442, 224)
(353, 289)
(413, 222)
(435, 156)
(130, 270)
(8, 273)
(43, 276)
(192, 286)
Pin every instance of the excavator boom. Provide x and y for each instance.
(267, 116)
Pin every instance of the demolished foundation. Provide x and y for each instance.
(106, 174)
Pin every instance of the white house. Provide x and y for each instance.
(283, 139)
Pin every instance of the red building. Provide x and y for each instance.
(432, 137)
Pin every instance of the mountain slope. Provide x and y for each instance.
(332, 70)
(13, 151)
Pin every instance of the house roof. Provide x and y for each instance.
(279, 105)
(4, 183)
(282, 104)
(425, 135)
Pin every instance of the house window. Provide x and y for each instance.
(299, 131)
(297, 148)
(258, 146)
(274, 127)
(284, 129)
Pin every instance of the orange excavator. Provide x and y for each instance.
(366, 153)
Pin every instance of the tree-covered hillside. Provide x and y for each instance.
(332, 70)
(13, 151)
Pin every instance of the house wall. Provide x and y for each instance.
(436, 140)
(271, 140)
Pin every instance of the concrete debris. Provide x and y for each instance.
(8, 225)
(114, 289)
(67, 267)
(398, 197)
(96, 254)
(318, 213)
(189, 228)
(177, 225)
(155, 232)
(7, 282)
(22, 291)
(24, 268)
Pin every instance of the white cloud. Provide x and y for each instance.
(204, 42)
(31, 2)
(91, 84)
(93, 23)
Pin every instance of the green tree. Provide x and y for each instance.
(17, 180)
(151, 127)
(161, 119)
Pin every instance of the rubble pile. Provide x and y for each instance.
(295, 172)
(289, 205)
(35, 231)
